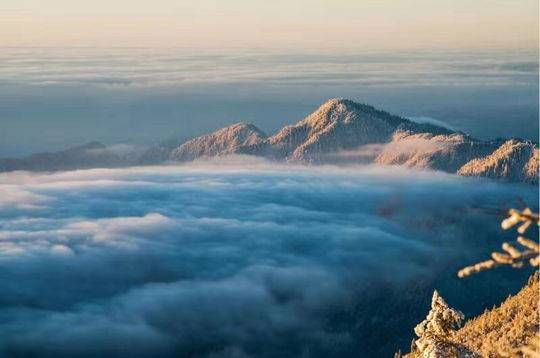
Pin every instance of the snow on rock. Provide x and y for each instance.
(238, 138)
(514, 160)
(339, 131)
(341, 126)
(433, 332)
(446, 152)
(338, 124)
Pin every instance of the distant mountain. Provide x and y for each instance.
(340, 127)
(235, 139)
(445, 152)
(336, 125)
(90, 155)
(339, 131)
(514, 160)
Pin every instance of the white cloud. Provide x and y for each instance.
(429, 120)
(61, 250)
(20, 198)
(256, 260)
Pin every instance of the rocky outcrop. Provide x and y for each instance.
(514, 160)
(240, 138)
(510, 330)
(441, 322)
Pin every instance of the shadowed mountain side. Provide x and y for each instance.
(90, 155)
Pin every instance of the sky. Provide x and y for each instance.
(277, 24)
(242, 258)
(143, 72)
(54, 98)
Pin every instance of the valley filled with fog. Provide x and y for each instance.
(241, 257)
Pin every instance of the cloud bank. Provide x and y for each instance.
(149, 68)
(237, 260)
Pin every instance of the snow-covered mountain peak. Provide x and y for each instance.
(228, 140)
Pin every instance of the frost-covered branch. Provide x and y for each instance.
(528, 252)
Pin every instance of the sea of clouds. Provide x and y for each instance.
(230, 260)
(151, 67)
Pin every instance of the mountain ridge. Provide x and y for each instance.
(344, 125)
(338, 126)
(88, 155)
(224, 141)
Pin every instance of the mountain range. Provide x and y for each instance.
(90, 155)
(339, 131)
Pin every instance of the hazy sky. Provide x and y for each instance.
(195, 66)
(280, 24)
(51, 98)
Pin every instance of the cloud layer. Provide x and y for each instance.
(236, 261)
(149, 67)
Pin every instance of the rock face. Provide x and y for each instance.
(240, 138)
(90, 155)
(513, 161)
(433, 332)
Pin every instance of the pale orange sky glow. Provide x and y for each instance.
(280, 24)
